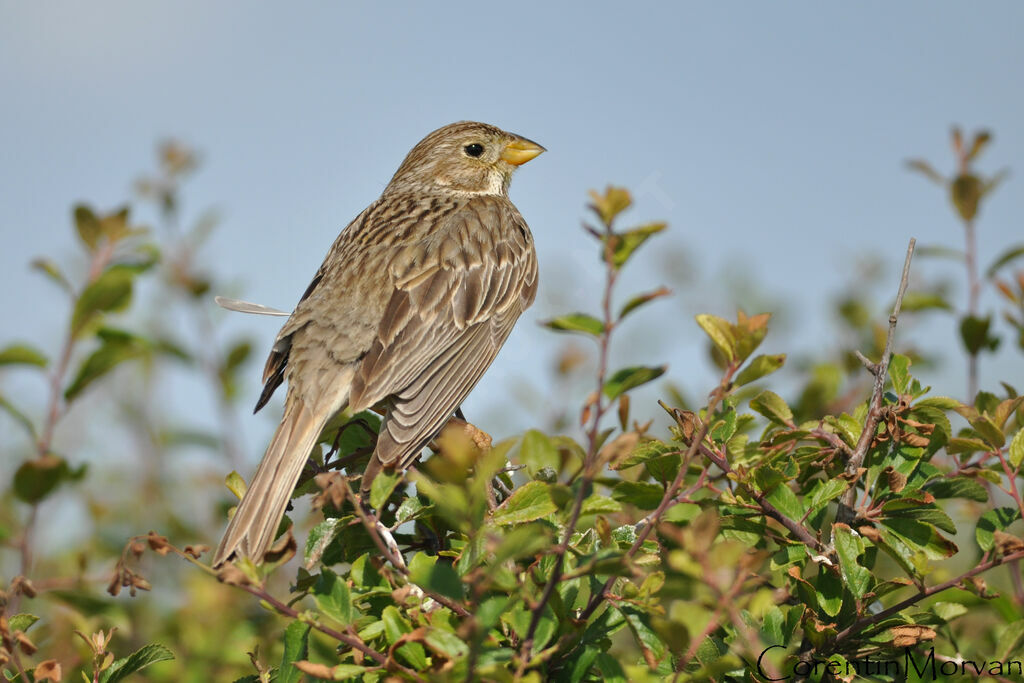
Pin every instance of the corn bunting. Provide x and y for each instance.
(410, 306)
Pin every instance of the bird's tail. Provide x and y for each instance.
(253, 528)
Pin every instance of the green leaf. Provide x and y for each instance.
(446, 643)
(975, 336)
(642, 494)
(958, 445)
(437, 577)
(117, 347)
(992, 521)
(989, 431)
(783, 498)
(19, 417)
(646, 450)
(957, 487)
(22, 354)
(826, 491)
(320, 538)
(365, 576)
(773, 407)
(924, 168)
(1016, 451)
(829, 589)
(912, 508)
(948, 611)
(646, 637)
(966, 192)
(334, 598)
(296, 648)
(614, 201)
(759, 367)
(610, 668)
(596, 504)
(940, 402)
(88, 226)
(849, 546)
(383, 486)
(395, 626)
(538, 452)
(576, 322)
(35, 479)
(111, 291)
(899, 372)
(630, 378)
(923, 301)
(641, 299)
(410, 509)
(1010, 642)
(21, 622)
(51, 270)
(1007, 256)
(624, 244)
(529, 502)
(123, 668)
(720, 332)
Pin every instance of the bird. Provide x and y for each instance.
(411, 304)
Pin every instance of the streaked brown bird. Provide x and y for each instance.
(409, 308)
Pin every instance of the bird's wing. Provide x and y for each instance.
(277, 360)
(445, 322)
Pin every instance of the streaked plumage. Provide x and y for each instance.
(409, 308)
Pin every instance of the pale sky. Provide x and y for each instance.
(771, 133)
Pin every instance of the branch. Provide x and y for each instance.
(589, 461)
(865, 622)
(794, 527)
(389, 549)
(671, 492)
(880, 370)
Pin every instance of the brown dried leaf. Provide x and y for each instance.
(159, 544)
(195, 551)
(897, 480)
(619, 448)
(24, 643)
(332, 490)
(282, 550)
(314, 669)
(1007, 544)
(22, 585)
(910, 635)
(233, 576)
(48, 670)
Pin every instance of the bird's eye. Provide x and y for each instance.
(474, 150)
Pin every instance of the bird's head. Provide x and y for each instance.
(465, 157)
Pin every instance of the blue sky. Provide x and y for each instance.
(773, 134)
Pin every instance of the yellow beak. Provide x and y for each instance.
(521, 150)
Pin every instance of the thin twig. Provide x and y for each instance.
(599, 408)
(794, 527)
(390, 550)
(880, 370)
(671, 492)
(973, 292)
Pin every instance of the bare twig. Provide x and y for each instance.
(973, 292)
(880, 370)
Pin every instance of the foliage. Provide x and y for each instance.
(755, 537)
